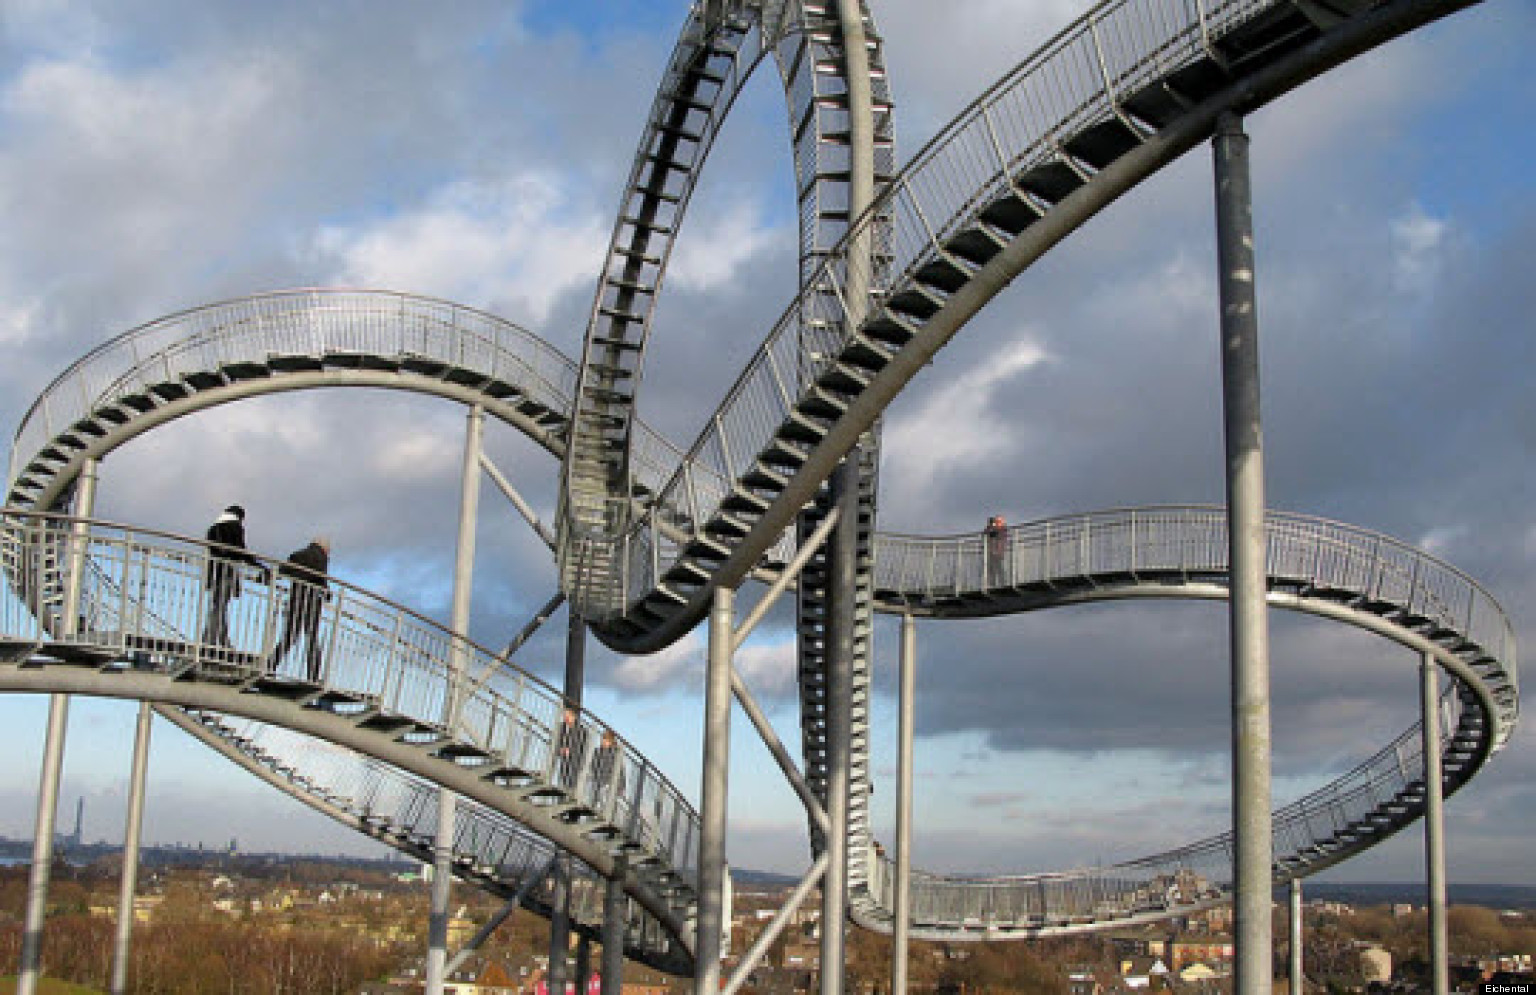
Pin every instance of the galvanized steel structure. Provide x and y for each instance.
(649, 536)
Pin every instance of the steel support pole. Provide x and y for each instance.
(42, 846)
(902, 901)
(52, 773)
(583, 964)
(575, 658)
(463, 586)
(560, 929)
(714, 803)
(1252, 831)
(842, 553)
(1298, 939)
(1434, 825)
(501, 916)
(611, 966)
(842, 596)
(560, 922)
(131, 836)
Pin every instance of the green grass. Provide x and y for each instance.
(48, 987)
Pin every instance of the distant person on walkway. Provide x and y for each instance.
(607, 771)
(227, 533)
(308, 591)
(570, 745)
(996, 534)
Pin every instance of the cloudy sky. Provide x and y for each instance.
(171, 153)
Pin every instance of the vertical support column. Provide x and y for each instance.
(560, 928)
(583, 964)
(1252, 831)
(463, 585)
(42, 845)
(1298, 939)
(842, 594)
(560, 922)
(716, 784)
(902, 903)
(53, 751)
(861, 151)
(611, 967)
(131, 836)
(1434, 824)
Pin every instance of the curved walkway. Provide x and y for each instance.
(1116, 96)
(1119, 94)
(490, 850)
(389, 684)
(1323, 568)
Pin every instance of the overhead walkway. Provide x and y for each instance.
(1324, 568)
(1120, 93)
(646, 533)
(390, 685)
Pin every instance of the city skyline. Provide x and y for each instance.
(1090, 384)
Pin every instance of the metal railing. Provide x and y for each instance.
(316, 323)
(400, 806)
(1345, 815)
(294, 323)
(1182, 544)
(1075, 80)
(139, 591)
(1303, 553)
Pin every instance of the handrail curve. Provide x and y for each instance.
(382, 668)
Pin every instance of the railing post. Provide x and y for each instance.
(1252, 830)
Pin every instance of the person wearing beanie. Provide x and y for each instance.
(226, 537)
(308, 591)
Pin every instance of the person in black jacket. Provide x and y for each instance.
(308, 591)
(222, 580)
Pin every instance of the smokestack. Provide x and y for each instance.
(79, 821)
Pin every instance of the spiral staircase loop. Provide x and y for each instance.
(648, 531)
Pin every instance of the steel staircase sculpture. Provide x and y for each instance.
(1117, 95)
(392, 685)
(1326, 568)
(648, 531)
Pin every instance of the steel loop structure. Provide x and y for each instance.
(398, 709)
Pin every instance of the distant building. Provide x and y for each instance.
(1196, 949)
(1375, 965)
(1138, 972)
(1198, 972)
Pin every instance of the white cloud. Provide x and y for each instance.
(17, 319)
(711, 253)
(682, 660)
(513, 239)
(923, 443)
(1418, 248)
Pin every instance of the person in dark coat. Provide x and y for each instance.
(227, 534)
(308, 591)
(996, 553)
